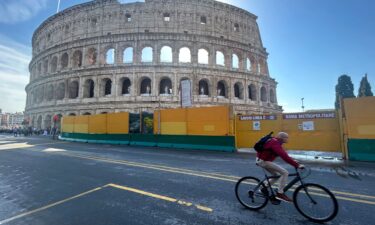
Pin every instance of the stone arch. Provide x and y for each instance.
(238, 90)
(203, 56)
(39, 122)
(262, 67)
(73, 89)
(45, 66)
(272, 96)
(64, 60)
(125, 86)
(49, 92)
(203, 87)
(86, 113)
(252, 90)
(165, 86)
(71, 114)
(77, 59)
(263, 94)
(128, 55)
(248, 64)
(106, 87)
(89, 88)
(166, 54)
(147, 55)
(48, 121)
(219, 58)
(39, 69)
(222, 89)
(110, 56)
(53, 65)
(184, 55)
(145, 86)
(91, 56)
(60, 91)
(235, 61)
(254, 64)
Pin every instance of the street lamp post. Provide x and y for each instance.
(303, 107)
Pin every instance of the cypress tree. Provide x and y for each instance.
(364, 88)
(344, 89)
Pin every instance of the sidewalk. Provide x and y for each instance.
(307, 156)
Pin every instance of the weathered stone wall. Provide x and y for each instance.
(70, 73)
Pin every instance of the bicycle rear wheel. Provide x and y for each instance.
(315, 202)
(249, 195)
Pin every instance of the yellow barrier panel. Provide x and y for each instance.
(360, 117)
(98, 124)
(173, 128)
(118, 123)
(81, 124)
(321, 134)
(213, 121)
(67, 124)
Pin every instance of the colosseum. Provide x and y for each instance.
(105, 56)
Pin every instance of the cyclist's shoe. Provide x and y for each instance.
(283, 197)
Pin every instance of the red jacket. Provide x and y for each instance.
(274, 148)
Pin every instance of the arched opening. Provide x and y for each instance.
(126, 85)
(203, 88)
(110, 56)
(92, 55)
(202, 56)
(49, 93)
(106, 87)
(77, 59)
(147, 54)
(45, 66)
(39, 123)
(252, 92)
(220, 60)
(238, 90)
(73, 89)
(64, 60)
(248, 64)
(146, 86)
(236, 27)
(60, 92)
(39, 69)
(235, 61)
(54, 64)
(166, 54)
(72, 114)
(184, 55)
(86, 114)
(40, 94)
(128, 55)
(88, 89)
(48, 121)
(221, 89)
(165, 87)
(263, 94)
(272, 96)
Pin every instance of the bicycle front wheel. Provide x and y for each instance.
(315, 202)
(248, 193)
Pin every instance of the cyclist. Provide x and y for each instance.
(265, 158)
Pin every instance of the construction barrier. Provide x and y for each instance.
(359, 127)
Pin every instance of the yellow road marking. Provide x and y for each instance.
(165, 198)
(49, 206)
(161, 197)
(23, 145)
(203, 174)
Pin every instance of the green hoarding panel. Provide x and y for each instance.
(361, 149)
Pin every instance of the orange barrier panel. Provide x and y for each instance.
(98, 124)
(118, 123)
(67, 124)
(81, 124)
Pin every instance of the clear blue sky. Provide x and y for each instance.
(310, 42)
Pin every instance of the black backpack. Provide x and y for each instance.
(259, 146)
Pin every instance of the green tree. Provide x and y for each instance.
(364, 88)
(344, 89)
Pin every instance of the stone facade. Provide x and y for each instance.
(215, 45)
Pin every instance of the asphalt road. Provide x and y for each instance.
(53, 182)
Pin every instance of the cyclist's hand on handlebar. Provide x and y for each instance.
(301, 166)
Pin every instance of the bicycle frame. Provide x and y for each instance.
(287, 187)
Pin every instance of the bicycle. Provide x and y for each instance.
(313, 201)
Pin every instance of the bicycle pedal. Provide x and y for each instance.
(275, 201)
